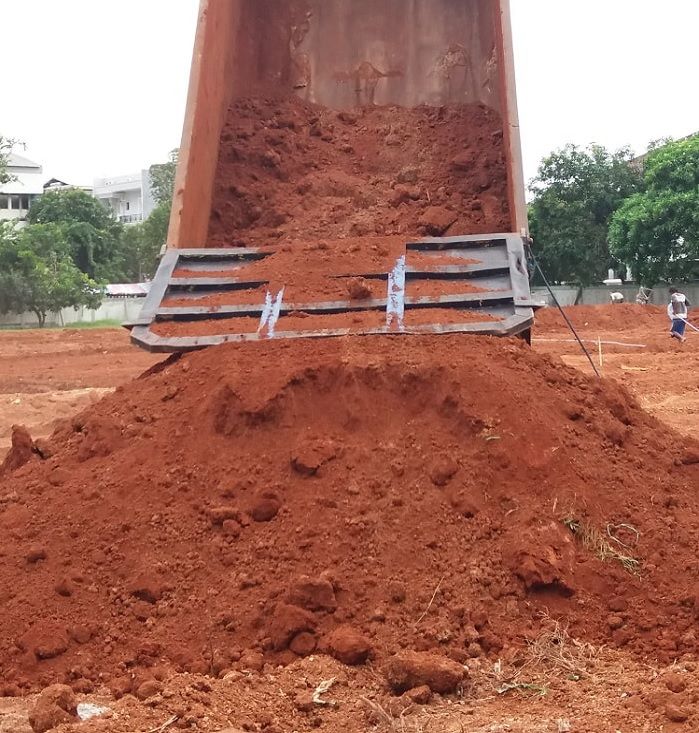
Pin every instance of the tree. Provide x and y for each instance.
(656, 231)
(7, 145)
(37, 273)
(575, 194)
(162, 176)
(141, 245)
(92, 232)
(143, 242)
(163, 188)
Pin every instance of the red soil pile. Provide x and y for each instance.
(242, 504)
(289, 170)
(604, 317)
(325, 271)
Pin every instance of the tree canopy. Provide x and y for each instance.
(37, 272)
(575, 193)
(89, 228)
(656, 231)
(143, 242)
(162, 176)
(6, 147)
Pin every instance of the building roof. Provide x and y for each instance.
(117, 290)
(19, 161)
(27, 176)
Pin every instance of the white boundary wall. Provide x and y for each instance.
(112, 309)
(600, 294)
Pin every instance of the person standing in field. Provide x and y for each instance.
(678, 311)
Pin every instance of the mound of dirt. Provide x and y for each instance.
(605, 317)
(289, 170)
(258, 503)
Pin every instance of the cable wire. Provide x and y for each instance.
(560, 308)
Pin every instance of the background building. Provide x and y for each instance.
(56, 184)
(16, 196)
(129, 197)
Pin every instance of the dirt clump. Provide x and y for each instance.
(411, 670)
(348, 646)
(359, 288)
(288, 491)
(55, 706)
(22, 450)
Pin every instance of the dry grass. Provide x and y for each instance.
(553, 653)
(608, 548)
(386, 722)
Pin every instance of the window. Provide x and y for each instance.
(128, 206)
(24, 203)
(14, 202)
(4, 201)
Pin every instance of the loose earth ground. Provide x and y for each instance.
(45, 376)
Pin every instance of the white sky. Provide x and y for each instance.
(98, 88)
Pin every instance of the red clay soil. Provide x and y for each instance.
(432, 493)
(314, 290)
(354, 321)
(436, 288)
(325, 271)
(606, 317)
(289, 171)
(323, 289)
(429, 316)
(426, 261)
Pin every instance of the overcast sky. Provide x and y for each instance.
(98, 89)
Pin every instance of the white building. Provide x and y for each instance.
(129, 197)
(27, 185)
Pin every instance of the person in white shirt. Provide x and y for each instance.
(678, 311)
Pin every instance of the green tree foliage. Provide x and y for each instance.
(575, 194)
(162, 176)
(143, 242)
(92, 233)
(656, 231)
(37, 273)
(7, 145)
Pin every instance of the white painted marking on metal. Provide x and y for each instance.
(266, 312)
(274, 315)
(395, 307)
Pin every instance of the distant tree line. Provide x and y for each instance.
(73, 245)
(593, 210)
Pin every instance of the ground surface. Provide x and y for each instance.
(45, 376)
(610, 695)
(638, 352)
(50, 375)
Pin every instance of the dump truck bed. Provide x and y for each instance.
(313, 122)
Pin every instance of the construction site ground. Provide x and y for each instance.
(558, 684)
(48, 375)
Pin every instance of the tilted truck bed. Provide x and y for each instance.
(341, 55)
